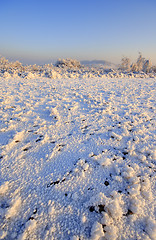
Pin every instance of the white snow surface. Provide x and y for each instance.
(78, 158)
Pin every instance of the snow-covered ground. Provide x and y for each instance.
(78, 158)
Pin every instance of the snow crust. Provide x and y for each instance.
(78, 158)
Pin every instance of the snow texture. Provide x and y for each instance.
(78, 157)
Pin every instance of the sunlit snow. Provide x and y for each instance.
(78, 158)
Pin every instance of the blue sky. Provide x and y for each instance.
(42, 31)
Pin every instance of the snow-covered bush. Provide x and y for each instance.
(147, 66)
(134, 67)
(125, 64)
(70, 63)
(141, 64)
(3, 64)
(7, 67)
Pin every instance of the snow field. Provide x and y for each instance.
(77, 158)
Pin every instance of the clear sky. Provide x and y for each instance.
(44, 30)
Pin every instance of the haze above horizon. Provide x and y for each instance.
(43, 31)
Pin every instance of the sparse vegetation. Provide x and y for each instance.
(125, 64)
(71, 68)
(141, 65)
(68, 63)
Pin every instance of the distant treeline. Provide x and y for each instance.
(70, 68)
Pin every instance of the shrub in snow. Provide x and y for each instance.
(134, 67)
(70, 63)
(140, 62)
(147, 66)
(7, 67)
(125, 64)
(141, 65)
(17, 65)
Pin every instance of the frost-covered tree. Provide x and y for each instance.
(134, 67)
(125, 64)
(147, 66)
(140, 62)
